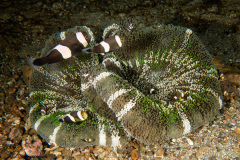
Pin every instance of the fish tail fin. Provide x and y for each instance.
(31, 63)
(87, 50)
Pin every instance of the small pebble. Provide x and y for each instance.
(22, 153)
(160, 152)
(56, 153)
(190, 142)
(237, 130)
(32, 146)
(134, 154)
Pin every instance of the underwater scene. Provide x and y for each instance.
(120, 79)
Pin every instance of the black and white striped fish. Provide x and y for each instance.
(74, 116)
(109, 44)
(69, 47)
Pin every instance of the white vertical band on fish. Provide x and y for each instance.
(52, 137)
(151, 90)
(118, 40)
(65, 51)
(79, 114)
(102, 135)
(105, 46)
(127, 107)
(81, 39)
(71, 117)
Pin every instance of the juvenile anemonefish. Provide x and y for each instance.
(105, 46)
(43, 112)
(89, 140)
(179, 95)
(69, 47)
(74, 116)
(150, 90)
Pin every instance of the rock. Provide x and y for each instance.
(237, 130)
(65, 153)
(15, 134)
(236, 149)
(56, 153)
(87, 155)
(60, 158)
(134, 154)
(15, 121)
(204, 149)
(22, 153)
(227, 117)
(160, 152)
(190, 142)
(100, 152)
(76, 155)
(6, 130)
(11, 90)
(32, 146)
(11, 82)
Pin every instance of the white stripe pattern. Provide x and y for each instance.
(114, 96)
(115, 139)
(105, 46)
(113, 27)
(100, 77)
(52, 137)
(93, 83)
(102, 135)
(65, 51)
(127, 107)
(38, 122)
(118, 40)
(186, 123)
(81, 39)
(71, 117)
(79, 114)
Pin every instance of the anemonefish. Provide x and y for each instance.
(69, 47)
(150, 90)
(89, 140)
(74, 116)
(179, 95)
(109, 44)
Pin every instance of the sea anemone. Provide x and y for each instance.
(160, 83)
